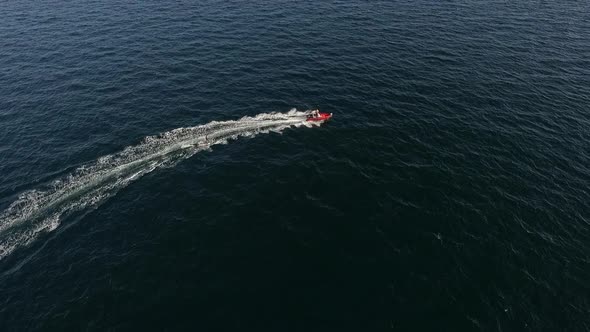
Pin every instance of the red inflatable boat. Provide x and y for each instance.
(319, 116)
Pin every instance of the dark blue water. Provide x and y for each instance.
(450, 191)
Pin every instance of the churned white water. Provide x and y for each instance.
(40, 210)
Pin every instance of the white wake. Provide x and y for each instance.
(41, 210)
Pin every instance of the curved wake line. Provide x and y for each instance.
(41, 210)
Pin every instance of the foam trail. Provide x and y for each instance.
(41, 210)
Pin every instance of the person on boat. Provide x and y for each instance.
(315, 113)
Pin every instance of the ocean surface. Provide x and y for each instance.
(157, 171)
